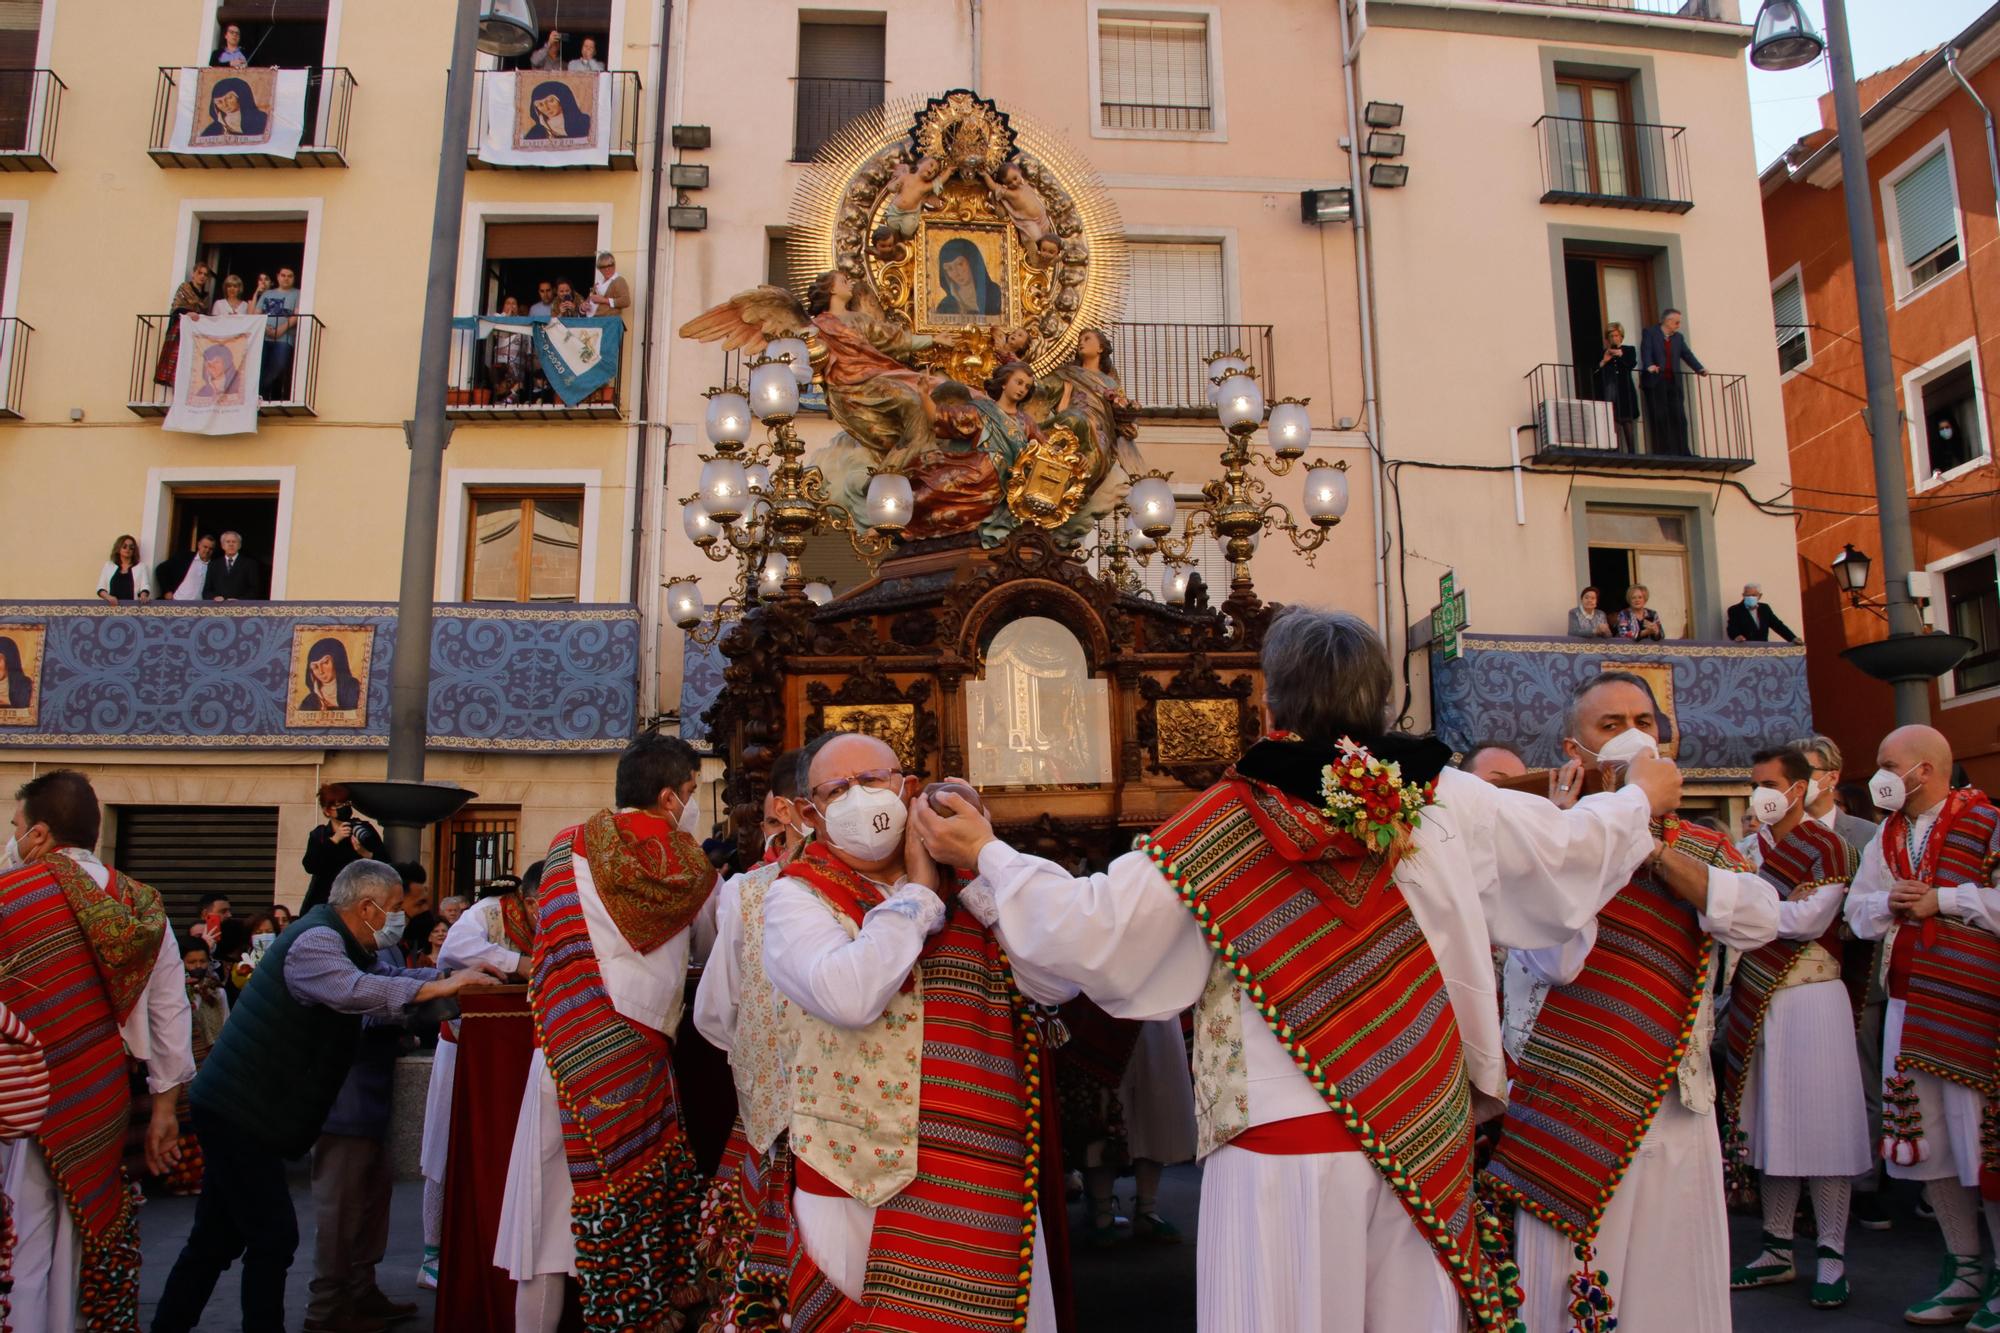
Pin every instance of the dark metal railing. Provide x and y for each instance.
(287, 387)
(1163, 368)
(1682, 9)
(30, 105)
(1157, 116)
(624, 111)
(329, 104)
(1691, 420)
(1614, 163)
(14, 335)
(498, 377)
(821, 108)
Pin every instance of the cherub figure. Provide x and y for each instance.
(1022, 203)
(913, 190)
(1046, 252)
(884, 245)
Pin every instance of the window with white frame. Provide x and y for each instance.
(524, 545)
(1972, 609)
(1153, 73)
(1177, 308)
(1788, 308)
(1923, 202)
(1947, 418)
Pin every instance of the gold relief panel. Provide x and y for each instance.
(894, 723)
(1198, 731)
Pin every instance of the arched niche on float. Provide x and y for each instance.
(1035, 716)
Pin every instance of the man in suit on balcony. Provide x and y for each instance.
(1753, 621)
(234, 576)
(1662, 354)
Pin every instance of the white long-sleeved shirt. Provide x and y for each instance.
(1868, 913)
(1488, 866)
(718, 998)
(160, 1028)
(1804, 918)
(466, 942)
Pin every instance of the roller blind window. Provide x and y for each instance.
(1178, 306)
(1788, 307)
(1927, 219)
(1153, 74)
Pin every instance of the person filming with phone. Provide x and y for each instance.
(342, 839)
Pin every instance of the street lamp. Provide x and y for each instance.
(1908, 659)
(1850, 570)
(496, 27)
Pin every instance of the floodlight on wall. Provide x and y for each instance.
(1388, 175)
(685, 217)
(1383, 115)
(507, 27)
(688, 176)
(1383, 143)
(690, 136)
(1330, 205)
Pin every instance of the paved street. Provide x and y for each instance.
(1134, 1288)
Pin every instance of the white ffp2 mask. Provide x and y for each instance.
(1769, 805)
(1888, 790)
(1628, 745)
(867, 823)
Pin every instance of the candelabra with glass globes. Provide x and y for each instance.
(758, 503)
(1236, 508)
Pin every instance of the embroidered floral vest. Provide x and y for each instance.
(762, 1055)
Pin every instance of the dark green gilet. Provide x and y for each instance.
(278, 1065)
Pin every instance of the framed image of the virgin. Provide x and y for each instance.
(21, 673)
(963, 276)
(328, 686)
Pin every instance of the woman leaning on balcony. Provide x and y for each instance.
(125, 577)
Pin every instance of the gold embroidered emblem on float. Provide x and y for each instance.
(1047, 481)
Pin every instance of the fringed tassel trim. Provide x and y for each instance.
(1590, 1305)
(1902, 1122)
(635, 1245)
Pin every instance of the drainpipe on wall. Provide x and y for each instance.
(1992, 151)
(1364, 284)
(978, 54)
(647, 598)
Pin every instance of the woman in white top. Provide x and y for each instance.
(232, 301)
(125, 577)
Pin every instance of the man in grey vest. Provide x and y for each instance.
(271, 1079)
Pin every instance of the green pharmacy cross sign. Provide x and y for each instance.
(1448, 617)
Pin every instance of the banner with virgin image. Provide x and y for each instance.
(227, 110)
(539, 118)
(215, 382)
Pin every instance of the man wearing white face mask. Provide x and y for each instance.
(1924, 890)
(601, 1183)
(913, 1146)
(738, 1010)
(1617, 1056)
(1791, 1083)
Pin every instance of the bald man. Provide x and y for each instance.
(1924, 890)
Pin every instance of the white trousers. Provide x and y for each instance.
(47, 1259)
(836, 1234)
(1950, 1113)
(1315, 1243)
(1664, 1241)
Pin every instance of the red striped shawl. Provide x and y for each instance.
(1951, 1027)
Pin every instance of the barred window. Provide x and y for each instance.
(1153, 74)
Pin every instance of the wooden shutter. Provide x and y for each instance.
(252, 231)
(184, 851)
(541, 240)
(20, 33)
(841, 51)
(267, 11)
(1926, 208)
(1788, 308)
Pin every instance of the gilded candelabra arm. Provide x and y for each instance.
(1306, 541)
(1180, 550)
(1272, 463)
(870, 544)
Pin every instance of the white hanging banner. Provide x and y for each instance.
(226, 110)
(535, 118)
(215, 380)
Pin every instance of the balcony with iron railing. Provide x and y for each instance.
(14, 334)
(1709, 10)
(495, 376)
(1698, 422)
(328, 105)
(290, 391)
(624, 110)
(1164, 370)
(821, 108)
(1614, 164)
(30, 106)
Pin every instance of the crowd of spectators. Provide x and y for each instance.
(1750, 620)
(508, 362)
(277, 299)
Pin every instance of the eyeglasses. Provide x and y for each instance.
(881, 779)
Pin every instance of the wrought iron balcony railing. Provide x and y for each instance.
(289, 389)
(821, 108)
(1163, 366)
(329, 103)
(493, 379)
(30, 105)
(1695, 421)
(1711, 10)
(624, 111)
(14, 335)
(1614, 164)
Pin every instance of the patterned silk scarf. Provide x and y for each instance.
(1603, 1051)
(1322, 942)
(954, 1249)
(1811, 859)
(74, 961)
(637, 1189)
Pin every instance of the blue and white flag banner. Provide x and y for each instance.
(578, 356)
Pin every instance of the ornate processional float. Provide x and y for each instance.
(953, 268)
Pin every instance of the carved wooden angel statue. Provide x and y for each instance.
(913, 188)
(1087, 394)
(1025, 208)
(874, 395)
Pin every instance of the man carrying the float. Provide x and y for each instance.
(1609, 1152)
(746, 1214)
(602, 1185)
(916, 1092)
(1923, 889)
(94, 973)
(1791, 1085)
(1330, 909)
(499, 931)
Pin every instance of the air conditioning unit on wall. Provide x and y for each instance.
(1575, 423)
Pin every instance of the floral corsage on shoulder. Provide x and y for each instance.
(1369, 801)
